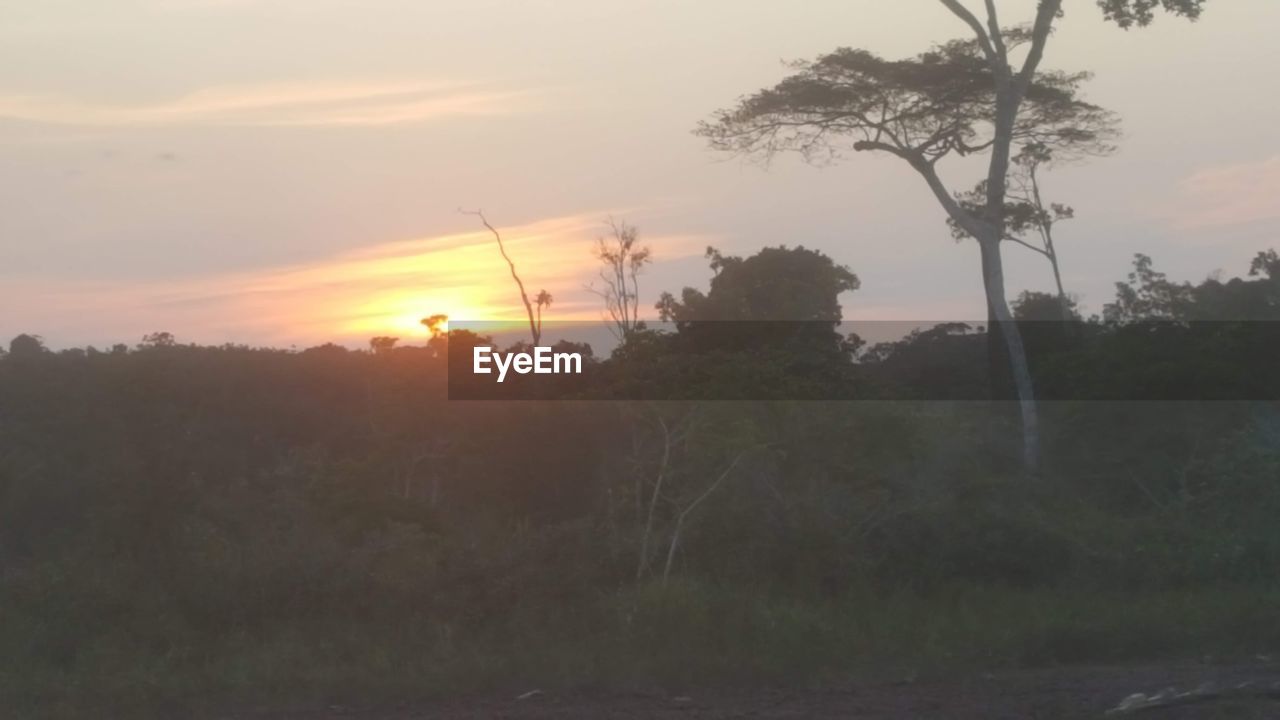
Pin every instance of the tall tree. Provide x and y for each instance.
(982, 94)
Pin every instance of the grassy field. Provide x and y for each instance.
(686, 635)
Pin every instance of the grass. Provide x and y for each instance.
(685, 635)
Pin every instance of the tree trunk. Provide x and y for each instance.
(998, 374)
(1008, 101)
(998, 306)
(1062, 293)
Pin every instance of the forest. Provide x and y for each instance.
(749, 489)
(184, 524)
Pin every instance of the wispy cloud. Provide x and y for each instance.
(380, 290)
(1229, 195)
(316, 104)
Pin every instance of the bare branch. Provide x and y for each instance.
(535, 323)
(1025, 244)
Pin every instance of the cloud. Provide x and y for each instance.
(1229, 195)
(281, 105)
(380, 290)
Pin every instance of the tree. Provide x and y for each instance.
(960, 98)
(767, 327)
(382, 345)
(775, 284)
(1266, 263)
(1050, 324)
(622, 260)
(1026, 213)
(27, 346)
(542, 300)
(436, 324)
(158, 340)
(1043, 307)
(1149, 295)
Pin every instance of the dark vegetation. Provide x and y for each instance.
(184, 528)
(183, 525)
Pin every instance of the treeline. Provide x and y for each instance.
(770, 328)
(178, 519)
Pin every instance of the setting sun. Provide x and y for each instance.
(401, 314)
(867, 359)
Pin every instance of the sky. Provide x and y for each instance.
(290, 172)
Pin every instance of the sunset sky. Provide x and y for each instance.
(289, 172)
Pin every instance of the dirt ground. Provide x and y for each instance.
(1039, 695)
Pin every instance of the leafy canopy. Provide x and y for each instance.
(1151, 295)
(775, 284)
(923, 108)
(1127, 13)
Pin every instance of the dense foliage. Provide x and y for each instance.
(178, 520)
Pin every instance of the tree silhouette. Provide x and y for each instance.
(436, 324)
(382, 345)
(27, 346)
(775, 284)
(1043, 307)
(158, 340)
(543, 299)
(1148, 295)
(779, 308)
(1265, 263)
(985, 94)
(622, 259)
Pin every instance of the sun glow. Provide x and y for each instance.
(401, 314)
(382, 290)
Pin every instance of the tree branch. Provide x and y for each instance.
(997, 37)
(972, 21)
(1026, 244)
(965, 219)
(1045, 16)
(534, 323)
(870, 145)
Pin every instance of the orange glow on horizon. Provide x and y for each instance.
(382, 290)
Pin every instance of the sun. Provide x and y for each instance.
(401, 314)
